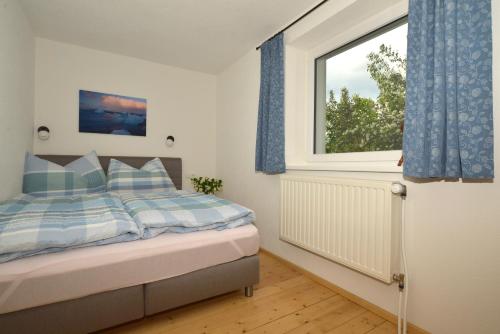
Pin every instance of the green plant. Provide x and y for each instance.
(206, 185)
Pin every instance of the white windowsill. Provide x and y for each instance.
(346, 168)
(379, 162)
(387, 166)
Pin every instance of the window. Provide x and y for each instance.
(360, 93)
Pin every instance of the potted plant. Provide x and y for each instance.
(206, 185)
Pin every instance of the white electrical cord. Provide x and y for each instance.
(405, 264)
(399, 311)
(403, 294)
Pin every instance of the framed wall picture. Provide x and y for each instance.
(112, 114)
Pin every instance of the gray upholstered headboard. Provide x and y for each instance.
(172, 165)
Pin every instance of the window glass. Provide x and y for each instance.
(360, 93)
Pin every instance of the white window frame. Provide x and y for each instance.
(376, 161)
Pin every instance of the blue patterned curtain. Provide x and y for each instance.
(270, 149)
(448, 129)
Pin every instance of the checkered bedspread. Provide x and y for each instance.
(33, 225)
(181, 212)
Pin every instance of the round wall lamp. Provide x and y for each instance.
(43, 132)
(170, 141)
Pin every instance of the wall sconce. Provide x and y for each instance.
(43, 133)
(170, 141)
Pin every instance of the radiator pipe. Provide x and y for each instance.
(400, 189)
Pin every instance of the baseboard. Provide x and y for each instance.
(352, 297)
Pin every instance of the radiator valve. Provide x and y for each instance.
(398, 188)
(400, 278)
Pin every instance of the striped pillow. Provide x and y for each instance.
(151, 177)
(82, 176)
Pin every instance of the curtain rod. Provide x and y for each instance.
(293, 23)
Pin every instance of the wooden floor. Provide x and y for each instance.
(285, 301)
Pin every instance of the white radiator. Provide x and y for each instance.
(352, 222)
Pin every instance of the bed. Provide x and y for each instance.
(88, 289)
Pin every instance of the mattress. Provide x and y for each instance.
(50, 278)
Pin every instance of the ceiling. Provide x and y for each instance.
(201, 35)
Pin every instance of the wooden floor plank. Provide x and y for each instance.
(359, 325)
(390, 328)
(257, 312)
(331, 320)
(208, 308)
(385, 328)
(337, 309)
(285, 301)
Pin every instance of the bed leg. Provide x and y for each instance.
(249, 291)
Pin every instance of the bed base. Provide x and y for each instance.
(112, 308)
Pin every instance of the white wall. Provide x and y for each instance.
(179, 103)
(17, 58)
(453, 228)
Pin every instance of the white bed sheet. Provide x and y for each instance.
(51, 278)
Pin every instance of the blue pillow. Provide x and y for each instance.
(151, 177)
(44, 178)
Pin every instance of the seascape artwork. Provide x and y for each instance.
(112, 114)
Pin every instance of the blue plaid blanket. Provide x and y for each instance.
(182, 212)
(33, 225)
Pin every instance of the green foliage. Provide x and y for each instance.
(359, 124)
(206, 185)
